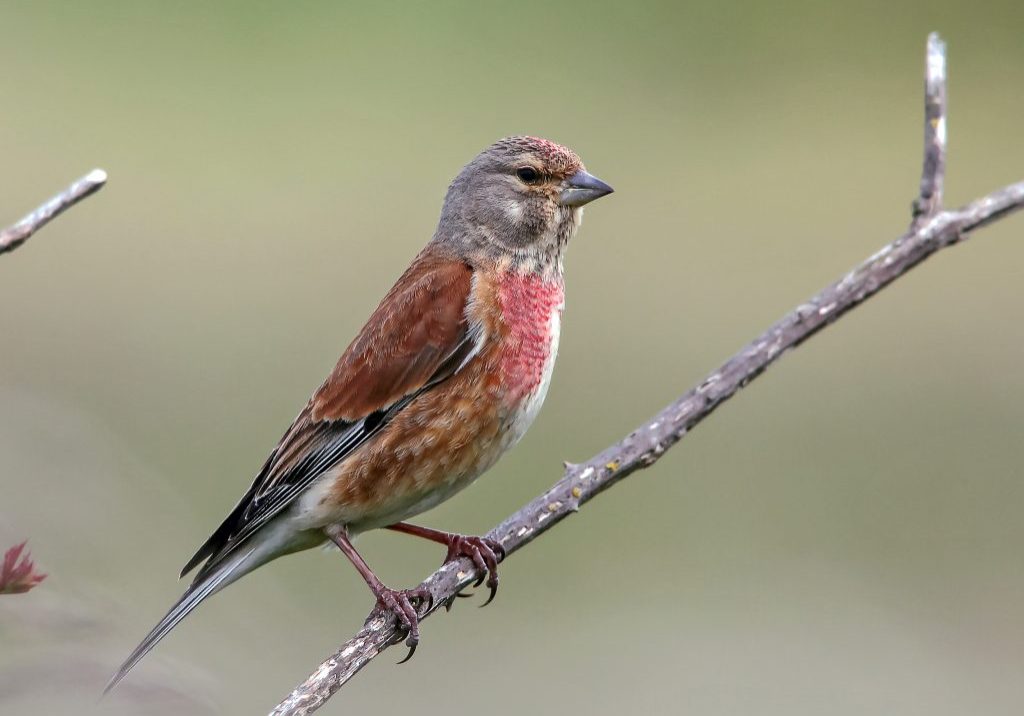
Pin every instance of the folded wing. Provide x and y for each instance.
(418, 337)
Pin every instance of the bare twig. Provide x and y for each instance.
(935, 230)
(14, 236)
(933, 171)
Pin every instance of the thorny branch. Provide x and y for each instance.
(14, 236)
(932, 229)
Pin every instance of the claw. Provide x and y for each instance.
(490, 598)
(412, 650)
(400, 605)
(492, 574)
(485, 554)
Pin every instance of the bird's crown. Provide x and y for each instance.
(557, 160)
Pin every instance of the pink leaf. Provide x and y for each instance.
(18, 572)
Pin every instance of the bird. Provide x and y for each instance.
(448, 373)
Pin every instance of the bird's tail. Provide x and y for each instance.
(221, 576)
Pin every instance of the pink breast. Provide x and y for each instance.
(528, 306)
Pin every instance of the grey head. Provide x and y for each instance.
(521, 199)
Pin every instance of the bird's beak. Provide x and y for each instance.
(582, 188)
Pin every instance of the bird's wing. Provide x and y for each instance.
(419, 336)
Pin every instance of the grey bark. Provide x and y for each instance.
(14, 236)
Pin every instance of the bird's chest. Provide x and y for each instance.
(530, 316)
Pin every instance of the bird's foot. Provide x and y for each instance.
(485, 553)
(405, 606)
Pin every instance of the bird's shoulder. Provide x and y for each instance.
(420, 324)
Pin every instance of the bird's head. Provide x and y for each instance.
(519, 201)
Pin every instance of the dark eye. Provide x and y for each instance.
(529, 175)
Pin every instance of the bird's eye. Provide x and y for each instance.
(528, 175)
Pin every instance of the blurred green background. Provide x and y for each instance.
(843, 538)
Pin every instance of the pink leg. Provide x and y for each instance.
(485, 553)
(397, 602)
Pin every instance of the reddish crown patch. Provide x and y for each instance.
(556, 158)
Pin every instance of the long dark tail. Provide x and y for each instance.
(222, 575)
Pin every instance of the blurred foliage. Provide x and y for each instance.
(843, 537)
(18, 572)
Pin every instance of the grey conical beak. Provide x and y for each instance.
(582, 188)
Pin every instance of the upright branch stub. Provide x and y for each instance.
(933, 171)
(14, 236)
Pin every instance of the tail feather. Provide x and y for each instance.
(211, 583)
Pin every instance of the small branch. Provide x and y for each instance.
(933, 172)
(931, 230)
(14, 236)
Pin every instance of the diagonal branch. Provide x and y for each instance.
(14, 236)
(932, 229)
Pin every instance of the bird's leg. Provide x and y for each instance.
(485, 552)
(397, 602)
